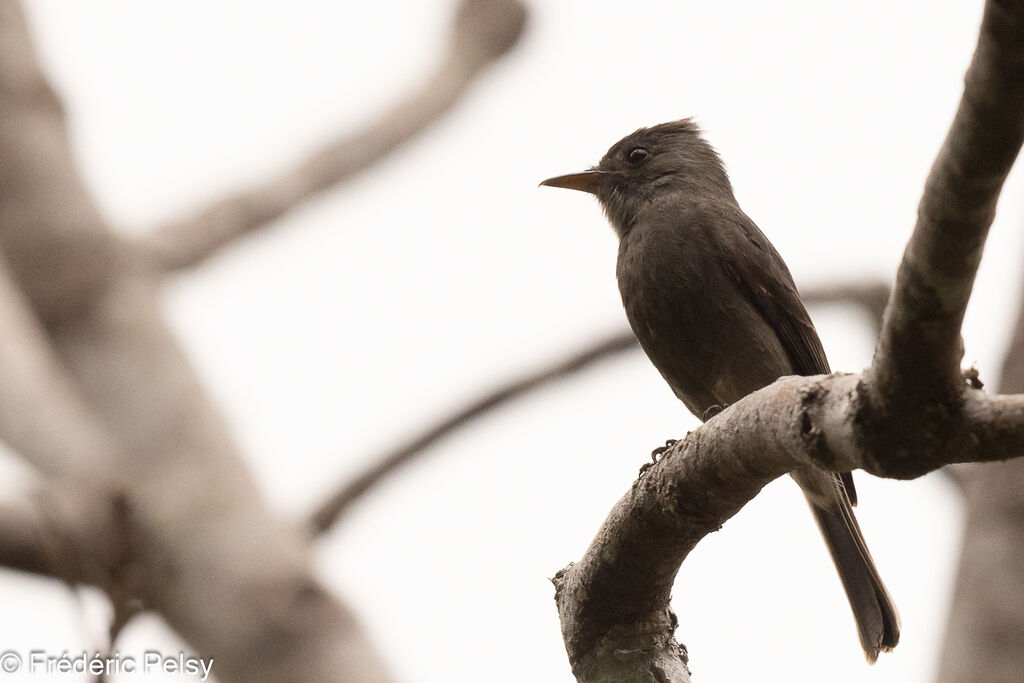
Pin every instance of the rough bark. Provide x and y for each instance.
(918, 355)
(614, 603)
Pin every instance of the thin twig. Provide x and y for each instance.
(483, 30)
(330, 511)
(871, 297)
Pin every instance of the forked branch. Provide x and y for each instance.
(909, 413)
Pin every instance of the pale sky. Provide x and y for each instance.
(368, 313)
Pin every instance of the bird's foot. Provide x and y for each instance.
(656, 455)
(712, 411)
(660, 450)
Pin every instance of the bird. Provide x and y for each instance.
(716, 310)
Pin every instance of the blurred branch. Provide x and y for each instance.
(483, 31)
(151, 500)
(330, 511)
(62, 531)
(69, 533)
(986, 617)
(42, 417)
(1011, 379)
(23, 543)
(124, 590)
(870, 296)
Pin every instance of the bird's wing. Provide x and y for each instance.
(762, 275)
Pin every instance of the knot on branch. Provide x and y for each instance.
(812, 436)
(558, 580)
(906, 439)
(972, 378)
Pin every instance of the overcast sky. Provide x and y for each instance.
(382, 305)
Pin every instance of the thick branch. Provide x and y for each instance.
(482, 32)
(330, 511)
(42, 416)
(918, 356)
(23, 541)
(204, 550)
(66, 532)
(614, 603)
(916, 366)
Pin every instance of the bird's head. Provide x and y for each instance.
(670, 158)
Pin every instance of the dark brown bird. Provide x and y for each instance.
(715, 309)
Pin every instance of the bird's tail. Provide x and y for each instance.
(878, 623)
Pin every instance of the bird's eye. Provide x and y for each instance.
(638, 155)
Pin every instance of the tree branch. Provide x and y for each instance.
(42, 417)
(918, 355)
(22, 542)
(614, 603)
(910, 413)
(872, 297)
(483, 30)
(191, 535)
(328, 513)
(1011, 378)
(65, 532)
(986, 617)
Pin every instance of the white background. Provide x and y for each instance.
(379, 307)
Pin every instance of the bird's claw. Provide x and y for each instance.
(660, 450)
(656, 455)
(712, 411)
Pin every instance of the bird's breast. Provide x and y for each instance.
(698, 328)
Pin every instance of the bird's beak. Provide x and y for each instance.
(588, 181)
